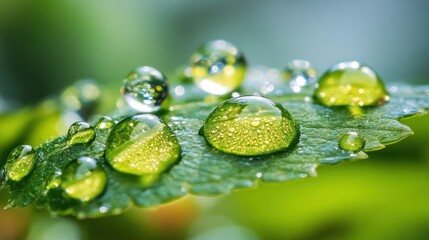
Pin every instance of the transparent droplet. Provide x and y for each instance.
(104, 123)
(145, 89)
(218, 67)
(250, 126)
(351, 84)
(351, 141)
(80, 132)
(55, 180)
(83, 179)
(82, 97)
(141, 145)
(20, 162)
(299, 74)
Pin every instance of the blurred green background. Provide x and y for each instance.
(46, 45)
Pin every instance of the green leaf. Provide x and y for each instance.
(203, 170)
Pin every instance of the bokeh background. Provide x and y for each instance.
(46, 45)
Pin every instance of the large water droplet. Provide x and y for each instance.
(142, 145)
(351, 141)
(83, 180)
(20, 162)
(299, 73)
(250, 126)
(80, 132)
(145, 89)
(218, 67)
(82, 97)
(351, 84)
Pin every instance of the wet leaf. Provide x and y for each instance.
(204, 170)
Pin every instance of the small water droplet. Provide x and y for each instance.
(82, 97)
(351, 141)
(80, 132)
(55, 180)
(104, 123)
(141, 145)
(299, 73)
(20, 162)
(145, 89)
(218, 67)
(83, 179)
(261, 126)
(351, 84)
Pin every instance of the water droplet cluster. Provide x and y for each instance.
(218, 67)
(142, 145)
(250, 126)
(351, 84)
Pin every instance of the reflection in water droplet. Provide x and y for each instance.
(299, 73)
(83, 179)
(261, 126)
(20, 162)
(142, 145)
(145, 89)
(80, 132)
(351, 84)
(351, 141)
(82, 97)
(218, 67)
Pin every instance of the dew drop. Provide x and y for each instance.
(145, 89)
(83, 179)
(351, 141)
(351, 84)
(261, 126)
(82, 97)
(20, 162)
(80, 132)
(142, 145)
(299, 74)
(218, 67)
(104, 123)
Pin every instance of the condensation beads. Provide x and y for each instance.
(145, 89)
(351, 84)
(351, 141)
(20, 162)
(218, 67)
(142, 145)
(83, 179)
(250, 126)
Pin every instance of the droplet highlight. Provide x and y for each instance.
(79, 133)
(218, 67)
(351, 141)
(351, 84)
(20, 162)
(83, 179)
(145, 89)
(299, 73)
(142, 145)
(250, 126)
